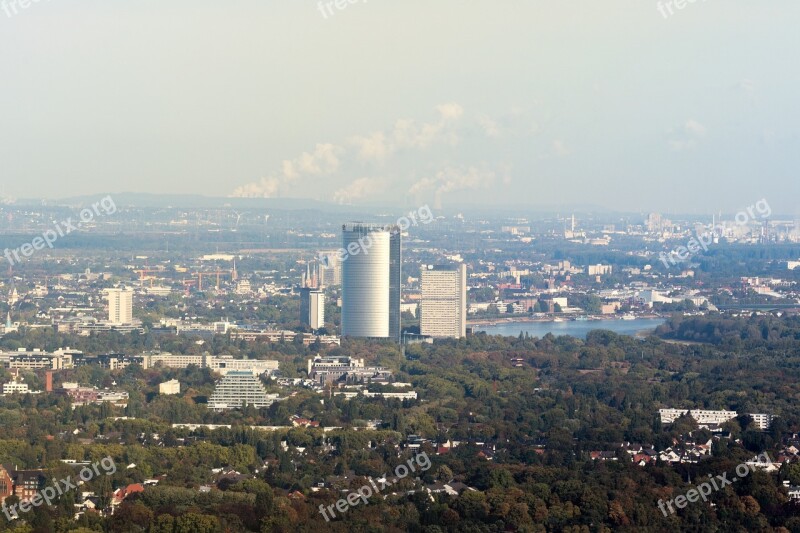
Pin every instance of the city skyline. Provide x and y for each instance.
(506, 266)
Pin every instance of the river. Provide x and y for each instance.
(575, 328)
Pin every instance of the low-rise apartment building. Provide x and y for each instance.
(703, 416)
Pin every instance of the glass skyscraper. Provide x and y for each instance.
(371, 262)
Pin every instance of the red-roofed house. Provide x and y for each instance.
(122, 493)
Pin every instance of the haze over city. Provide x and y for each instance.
(436, 267)
(610, 105)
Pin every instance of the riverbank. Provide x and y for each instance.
(575, 328)
(529, 319)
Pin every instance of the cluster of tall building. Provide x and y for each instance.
(371, 266)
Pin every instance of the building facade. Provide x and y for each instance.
(6, 484)
(312, 308)
(172, 386)
(238, 389)
(443, 307)
(16, 386)
(217, 363)
(24, 484)
(38, 359)
(120, 306)
(371, 281)
(761, 420)
(701, 416)
(345, 369)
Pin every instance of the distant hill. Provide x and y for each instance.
(131, 199)
(197, 201)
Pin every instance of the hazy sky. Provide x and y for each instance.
(536, 102)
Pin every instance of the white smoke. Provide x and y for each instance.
(451, 179)
(323, 161)
(357, 190)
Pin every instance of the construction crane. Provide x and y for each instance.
(217, 273)
(143, 275)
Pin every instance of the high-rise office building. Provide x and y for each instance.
(443, 307)
(120, 306)
(371, 280)
(312, 299)
(312, 307)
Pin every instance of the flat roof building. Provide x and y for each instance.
(371, 257)
(703, 416)
(218, 363)
(345, 369)
(172, 386)
(443, 307)
(120, 306)
(312, 308)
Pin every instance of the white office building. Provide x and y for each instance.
(217, 363)
(224, 364)
(762, 420)
(120, 306)
(702, 416)
(443, 307)
(312, 308)
(371, 279)
(17, 386)
(170, 387)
